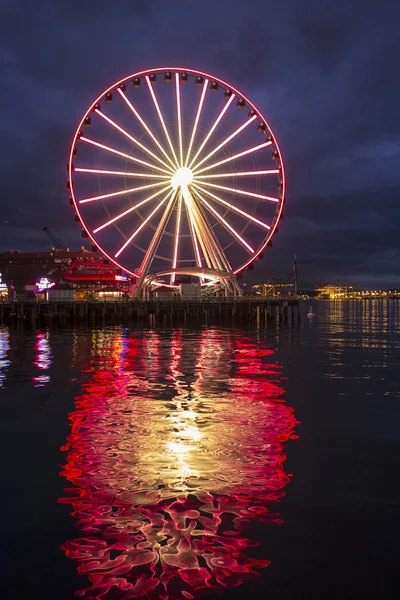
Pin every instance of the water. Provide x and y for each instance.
(181, 456)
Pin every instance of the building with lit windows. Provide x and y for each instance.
(83, 270)
(331, 292)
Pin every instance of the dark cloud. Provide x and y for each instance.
(352, 236)
(325, 74)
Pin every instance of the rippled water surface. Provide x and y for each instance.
(175, 464)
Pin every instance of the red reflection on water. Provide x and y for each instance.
(176, 445)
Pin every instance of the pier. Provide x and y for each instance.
(243, 311)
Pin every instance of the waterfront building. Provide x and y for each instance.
(82, 270)
(61, 292)
(334, 292)
(331, 292)
(3, 290)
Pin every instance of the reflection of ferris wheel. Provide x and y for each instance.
(173, 179)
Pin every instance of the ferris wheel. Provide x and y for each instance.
(174, 172)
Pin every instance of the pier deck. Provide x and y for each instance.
(168, 312)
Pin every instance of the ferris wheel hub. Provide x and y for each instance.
(182, 178)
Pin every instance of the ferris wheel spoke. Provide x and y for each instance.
(218, 253)
(240, 192)
(155, 241)
(213, 253)
(193, 233)
(232, 158)
(132, 208)
(176, 240)
(118, 153)
(196, 122)
(241, 174)
(153, 96)
(122, 192)
(179, 116)
(145, 126)
(227, 140)
(209, 134)
(193, 236)
(129, 240)
(203, 243)
(134, 140)
(195, 229)
(225, 224)
(232, 207)
(203, 239)
(121, 173)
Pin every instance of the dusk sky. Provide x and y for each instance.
(325, 74)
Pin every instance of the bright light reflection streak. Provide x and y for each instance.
(190, 431)
(130, 191)
(179, 117)
(241, 174)
(228, 139)
(230, 158)
(178, 448)
(161, 118)
(113, 151)
(240, 192)
(203, 93)
(134, 140)
(232, 207)
(226, 224)
(223, 111)
(176, 245)
(146, 127)
(143, 224)
(122, 173)
(126, 212)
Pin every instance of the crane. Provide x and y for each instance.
(53, 238)
(343, 284)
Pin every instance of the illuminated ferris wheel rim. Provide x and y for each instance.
(181, 172)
